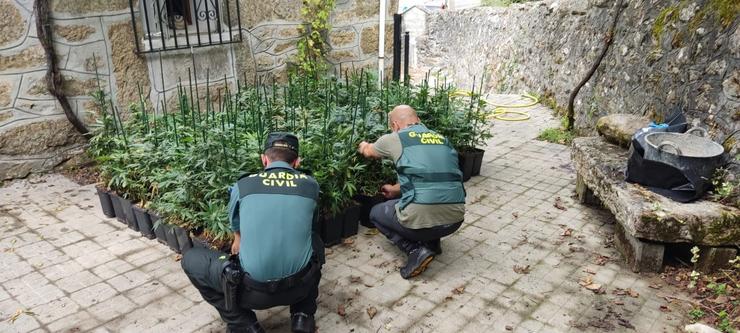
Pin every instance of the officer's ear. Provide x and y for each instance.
(265, 160)
(297, 163)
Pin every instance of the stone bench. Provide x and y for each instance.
(646, 221)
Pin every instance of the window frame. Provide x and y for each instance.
(207, 23)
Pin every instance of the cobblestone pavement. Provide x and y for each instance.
(515, 266)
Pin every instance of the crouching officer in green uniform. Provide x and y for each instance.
(276, 257)
(429, 199)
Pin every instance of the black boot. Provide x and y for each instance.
(254, 328)
(302, 323)
(418, 260)
(435, 246)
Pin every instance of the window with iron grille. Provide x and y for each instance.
(184, 24)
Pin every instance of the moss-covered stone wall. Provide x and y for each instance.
(667, 55)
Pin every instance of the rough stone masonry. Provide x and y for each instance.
(94, 39)
(667, 55)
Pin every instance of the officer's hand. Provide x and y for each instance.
(235, 244)
(361, 147)
(235, 248)
(390, 191)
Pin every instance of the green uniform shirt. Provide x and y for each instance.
(274, 210)
(416, 216)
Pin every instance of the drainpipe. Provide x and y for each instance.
(381, 41)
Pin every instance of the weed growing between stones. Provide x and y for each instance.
(726, 188)
(715, 297)
(557, 135)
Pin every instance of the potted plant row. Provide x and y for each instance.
(180, 161)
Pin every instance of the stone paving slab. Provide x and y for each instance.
(514, 266)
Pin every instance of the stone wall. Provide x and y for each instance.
(273, 32)
(89, 37)
(96, 36)
(666, 55)
(270, 33)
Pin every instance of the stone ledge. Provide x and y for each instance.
(14, 167)
(647, 215)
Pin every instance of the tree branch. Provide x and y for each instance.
(54, 79)
(608, 40)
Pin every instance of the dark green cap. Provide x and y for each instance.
(282, 140)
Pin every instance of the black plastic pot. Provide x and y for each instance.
(477, 160)
(105, 202)
(169, 232)
(144, 222)
(351, 220)
(466, 160)
(128, 210)
(366, 205)
(331, 230)
(183, 239)
(200, 242)
(118, 207)
(159, 230)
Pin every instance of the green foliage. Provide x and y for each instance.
(667, 16)
(181, 162)
(726, 188)
(724, 323)
(726, 10)
(557, 135)
(312, 48)
(696, 314)
(735, 262)
(718, 288)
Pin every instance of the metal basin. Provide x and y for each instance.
(693, 154)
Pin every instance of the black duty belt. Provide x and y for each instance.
(303, 276)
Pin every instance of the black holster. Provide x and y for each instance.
(231, 281)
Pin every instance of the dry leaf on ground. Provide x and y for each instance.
(559, 204)
(567, 232)
(371, 232)
(522, 269)
(372, 311)
(348, 241)
(626, 292)
(459, 290)
(601, 260)
(588, 283)
(18, 313)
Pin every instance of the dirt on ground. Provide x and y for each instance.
(714, 298)
(83, 175)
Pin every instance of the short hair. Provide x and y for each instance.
(281, 154)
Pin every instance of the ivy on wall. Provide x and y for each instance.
(313, 47)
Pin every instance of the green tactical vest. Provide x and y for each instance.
(276, 215)
(428, 169)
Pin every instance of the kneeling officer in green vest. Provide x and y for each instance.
(428, 202)
(276, 257)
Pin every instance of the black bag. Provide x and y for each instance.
(659, 177)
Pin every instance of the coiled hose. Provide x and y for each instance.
(500, 111)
